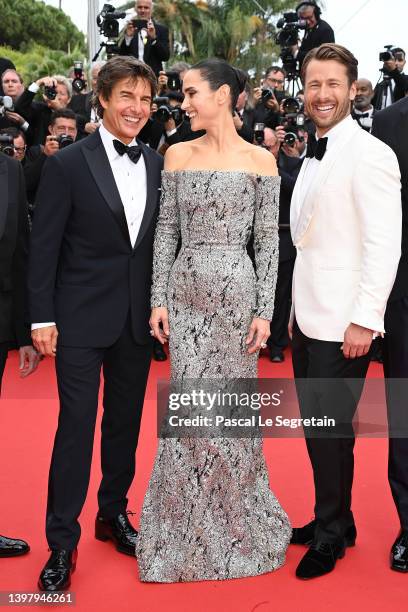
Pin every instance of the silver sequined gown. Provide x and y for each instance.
(209, 513)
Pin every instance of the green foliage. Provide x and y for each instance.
(37, 61)
(24, 22)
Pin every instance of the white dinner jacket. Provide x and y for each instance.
(347, 233)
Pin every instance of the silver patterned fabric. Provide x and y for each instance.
(209, 513)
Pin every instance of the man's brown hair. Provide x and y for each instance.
(116, 69)
(331, 51)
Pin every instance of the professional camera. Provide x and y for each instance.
(7, 145)
(289, 26)
(108, 25)
(6, 104)
(50, 92)
(292, 120)
(165, 111)
(259, 133)
(268, 93)
(386, 56)
(173, 81)
(78, 83)
(64, 140)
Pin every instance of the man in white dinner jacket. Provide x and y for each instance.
(346, 226)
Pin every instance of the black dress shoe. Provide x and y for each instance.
(304, 535)
(12, 548)
(56, 575)
(399, 553)
(119, 530)
(320, 559)
(276, 357)
(158, 351)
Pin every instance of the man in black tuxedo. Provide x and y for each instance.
(82, 106)
(146, 39)
(391, 126)
(89, 291)
(317, 30)
(13, 256)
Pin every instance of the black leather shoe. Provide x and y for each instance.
(119, 530)
(399, 553)
(276, 357)
(320, 559)
(158, 351)
(304, 535)
(56, 575)
(12, 548)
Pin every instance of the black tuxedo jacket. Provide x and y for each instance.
(391, 126)
(289, 168)
(13, 252)
(84, 273)
(155, 52)
(37, 114)
(81, 104)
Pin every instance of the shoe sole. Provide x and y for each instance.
(397, 569)
(14, 554)
(119, 548)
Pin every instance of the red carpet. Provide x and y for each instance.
(106, 580)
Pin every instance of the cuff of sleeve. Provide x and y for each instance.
(171, 132)
(40, 325)
(34, 87)
(25, 126)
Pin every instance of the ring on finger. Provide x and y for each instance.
(151, 332)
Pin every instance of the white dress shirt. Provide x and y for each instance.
(130, 179)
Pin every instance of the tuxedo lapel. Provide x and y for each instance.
(151, 195)
(325, 167)
(4, 195)
(101, 171)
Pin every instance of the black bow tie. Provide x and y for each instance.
(134, 153)
(362, 115)
(316, 148)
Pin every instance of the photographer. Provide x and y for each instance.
(394, 84)
(146, 39)
(81, 104)
(269, 96)
(317, 30)
(57, 92)
(363, 111)
(12, 86)
(5, 64)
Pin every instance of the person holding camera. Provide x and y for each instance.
(317, 31)
(13, 86)
(269, 96)
(81, 104)
(57, 92)
(146, 39)
(394, 84)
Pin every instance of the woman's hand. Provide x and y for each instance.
(160, 315)
(258, 334)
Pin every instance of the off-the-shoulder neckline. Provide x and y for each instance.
(212, 171)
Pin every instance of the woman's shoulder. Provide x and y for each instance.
(178, 155)
(263, 161)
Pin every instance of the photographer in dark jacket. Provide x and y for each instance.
(146, 39)
(394, 85)
(317, 30)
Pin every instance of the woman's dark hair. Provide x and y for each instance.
(218, 72)
(116, 69)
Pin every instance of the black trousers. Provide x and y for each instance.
(331, 457)
(395, 357)
(279, 339)
(3, 358)
(125, 369)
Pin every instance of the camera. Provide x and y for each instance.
(6, 104)
(386, 56)
(289, 26)
(173, 81)
(165, 112)
(7, 145)
(64, 140)
(78, 83)
(259, 133)
(268, 93)
(50, 92)
(108, 25)
(292, 120)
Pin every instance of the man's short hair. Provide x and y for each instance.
(398, 50)
(331, 51)
(13, 132)
(116, 69)
(275, 69)
(65, 113)
(15, 72)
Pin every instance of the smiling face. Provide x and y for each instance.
(202, 104)
(328, 93)
(127, 109)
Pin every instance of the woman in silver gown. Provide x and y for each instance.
(209, 513)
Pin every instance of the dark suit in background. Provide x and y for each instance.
(81, 104)
(391, 126)
(320, 34)
(155, 51)
(85, 275)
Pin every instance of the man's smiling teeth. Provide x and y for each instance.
(325, 108)
(131, 119)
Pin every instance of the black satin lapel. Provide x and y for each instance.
(151, 197)
(3, 195)
(102, 173)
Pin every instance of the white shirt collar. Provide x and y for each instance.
(335, 131)
(107, 140)
(360, 112)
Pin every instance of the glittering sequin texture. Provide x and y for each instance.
(209, 513)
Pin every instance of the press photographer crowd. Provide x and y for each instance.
(39, 118)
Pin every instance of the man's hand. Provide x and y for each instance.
(290, 330)
(151, 30)
(91, 127)
(257, 94)
(357, 341)
(280, 133)
(273, 104)
(290, 151)
(46, 82)
(15, 118)
(130, 29)
(162, 81)
(29, 360)
(45, 340)
(170, 125)
(238, 122)
(51, 146)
